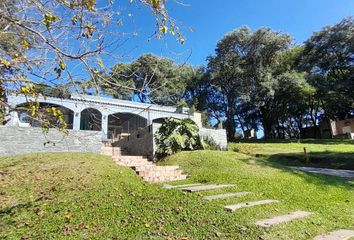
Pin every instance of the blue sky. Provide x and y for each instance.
(211, 20)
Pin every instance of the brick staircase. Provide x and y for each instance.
(143, 167)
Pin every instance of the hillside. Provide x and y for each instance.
(86, 196)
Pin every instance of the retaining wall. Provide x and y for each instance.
(142, 141)
(22, 140)
(217, 135)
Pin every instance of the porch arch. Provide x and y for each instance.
(25, 117)
(91, 119)
(124, 123)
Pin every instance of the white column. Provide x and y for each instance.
(149, 122)
(104, 126)
(77, 120)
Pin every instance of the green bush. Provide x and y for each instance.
(209, 144)
(176, 135)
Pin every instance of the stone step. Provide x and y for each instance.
(106, 151)
(225, 195)
(165, 179)
(154, 167)
(112, 151)
(132, 160)
(129, 157)
(160, 173)
(249, 204)
(144, 168)
(341, 234)
(206, 187)
(167, 171)
(136, 164)
(282, 219)
(120, 154)
(181, 186)
(135, 160)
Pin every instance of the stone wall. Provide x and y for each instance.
(22, 140)
(217, 135)
(142, 141)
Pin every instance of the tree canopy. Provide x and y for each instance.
(150, 79)
(262, 81)
(255, 79)
(43, 42)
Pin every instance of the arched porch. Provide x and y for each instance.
(24, 115)
(122, 124)
(91, 119)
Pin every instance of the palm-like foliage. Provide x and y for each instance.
(176, 135)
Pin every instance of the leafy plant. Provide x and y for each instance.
(209, 144)
(176, 135)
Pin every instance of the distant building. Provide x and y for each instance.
(336, 129)
(342, 128)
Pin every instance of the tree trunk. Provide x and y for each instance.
(230, 121)
(241, 125)
(267, 124)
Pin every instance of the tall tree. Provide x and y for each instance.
(243, 70)
(329, 57)
(150, 79)
(226, 70)
(264, 47)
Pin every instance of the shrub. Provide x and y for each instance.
(176, 135)
(209, 144)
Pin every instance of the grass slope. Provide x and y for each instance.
(322, 153)
(87, 196)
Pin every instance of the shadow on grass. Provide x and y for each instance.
(325, 159)
(311, 141)
(284, 162)
(10, 209)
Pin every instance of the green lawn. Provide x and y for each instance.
(87, 196)
(321, 153)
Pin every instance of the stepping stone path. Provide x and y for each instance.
(205, 187)
(196, 187)
(328, 171)
(249, 204)
(152, 173)
(336, 235)
(181, 186)
(281, 219)
(226, 195)
(143, 167)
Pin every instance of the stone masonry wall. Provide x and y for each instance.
(17, 140)
(140, 142)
